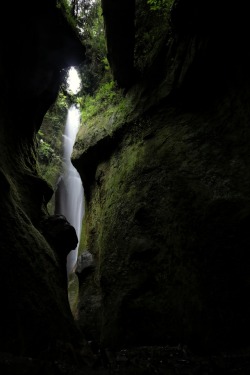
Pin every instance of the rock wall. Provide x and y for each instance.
(167, 193)
(35, 47)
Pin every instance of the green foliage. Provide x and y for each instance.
(91, 29)
(73, 293)
(65, 7)
(49, 142)
(45, 151)
(61, 104)
(53, 124)
(86, 18)
(160, 5)
(152, 24)
(107, 96)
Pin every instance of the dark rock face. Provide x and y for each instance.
(168, 208)
(62, 237)
(120, 33)
(35, 316)
(59, 234)
(89, 311)
(85, 265)
(36, 61)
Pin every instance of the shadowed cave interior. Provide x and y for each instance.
(165, 279)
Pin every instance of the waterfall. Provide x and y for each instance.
(69, 192)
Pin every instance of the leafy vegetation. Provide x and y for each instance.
(91, 28)
(64, 5)
(160, 5)
(45, 152)
(85, 16)
(49, 142)
(99, 93)
(92, 105)
(152, 25)
(99, 99)
(102, 103)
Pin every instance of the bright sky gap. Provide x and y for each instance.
(73, 81)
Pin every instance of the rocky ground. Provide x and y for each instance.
(159, 360)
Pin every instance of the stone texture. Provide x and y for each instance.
(167, 204)
(35, 316)
(168, 210)
(120, 35)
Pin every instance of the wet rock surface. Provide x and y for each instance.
(85, 265)
(168, 193)
(60, 234)
(146, 360)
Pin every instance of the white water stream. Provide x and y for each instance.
(69, 187)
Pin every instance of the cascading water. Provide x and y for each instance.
(69, 192)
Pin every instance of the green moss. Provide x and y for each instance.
(82, 241)
(73, 293)
(65, 8)
(107, 102)
(160, 5)
(104, 122)
(152, 26)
